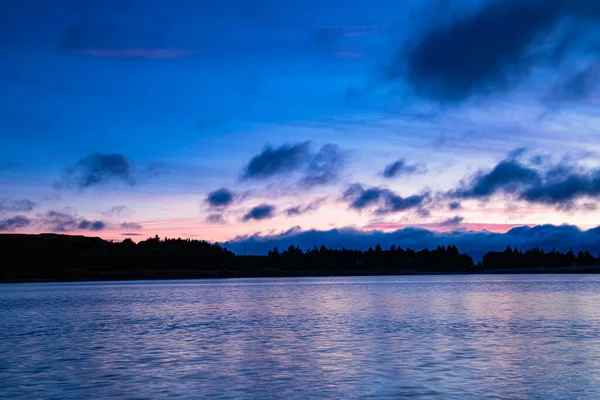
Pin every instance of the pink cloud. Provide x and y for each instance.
(136, 53)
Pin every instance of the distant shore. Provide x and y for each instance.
(64, 258)
(82, 275)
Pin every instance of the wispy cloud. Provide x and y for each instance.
(118, 211)
(215, 219)
(16, 205)
(133, 226)
(325, 167)
(383, 201)
(136, 53)
(401, 167)
(14, 223)
(454, 221)
(303, 209)
(97, 169)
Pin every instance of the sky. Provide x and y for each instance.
(270, 122)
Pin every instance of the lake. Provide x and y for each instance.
(421, 337)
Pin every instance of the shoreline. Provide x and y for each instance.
(65, 258)
(165, 275)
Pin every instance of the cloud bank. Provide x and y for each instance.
(476, 243)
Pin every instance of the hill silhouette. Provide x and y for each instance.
(51, 257)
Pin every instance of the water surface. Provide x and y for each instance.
(424, 337)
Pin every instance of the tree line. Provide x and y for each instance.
(63, 257)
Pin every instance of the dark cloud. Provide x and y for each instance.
(215, 219)
(220, 198)
(14, 223)
(452, 221)
(86, 225)
(360, 197)
(130, 234)
(454, 205)
(97, 169)
(495, 47)
(577, 86)
(118, 211)
(580, 84)
(276, 161)
(263, 211)
(59, 222)
(538, 181)
(385, 201)
(19, 205)
(325, 167)
(423, 212)
(400, 167)
(295, 211)
(475, 243)
(562, 190)
(55, 221)
(131, 226)
(509, 176)
(320, 168)
(300, 209)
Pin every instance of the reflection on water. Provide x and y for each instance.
(447, 337)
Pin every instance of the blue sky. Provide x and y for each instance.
(131, 113)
